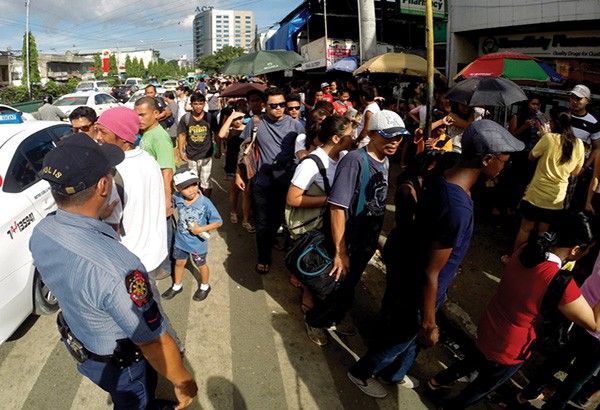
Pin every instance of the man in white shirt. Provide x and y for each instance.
(367, 99)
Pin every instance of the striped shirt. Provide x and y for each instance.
(586, 128)
(102, 288)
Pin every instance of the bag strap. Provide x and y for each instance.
(118, 178)
(252, 142)
(364, 180)
(554, 292)
(322, 171)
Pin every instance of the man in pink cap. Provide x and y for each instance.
(139, 214)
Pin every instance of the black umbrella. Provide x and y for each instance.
(486, 92)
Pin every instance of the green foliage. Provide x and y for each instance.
(213, 63)
(13, 95)
(33, 60)
(112, 65)
(97, 65)
(163, 69)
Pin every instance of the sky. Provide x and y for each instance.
(92, 25)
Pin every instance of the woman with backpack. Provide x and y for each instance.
(507, 328)
(559, 156)
(306, 202)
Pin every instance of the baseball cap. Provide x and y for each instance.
(388, 124)
(79, 163)
(123, 121)
(484, 137)
(185, 178)
(323, 85)
(581, 91)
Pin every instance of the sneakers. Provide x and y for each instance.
(370, 387)
(434, 386)
(200, 294)
(171, 293)
(408, 382)
(317, 335)
(345, 327)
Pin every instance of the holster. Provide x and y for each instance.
(74, 346)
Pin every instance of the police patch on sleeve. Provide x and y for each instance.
(138, 288)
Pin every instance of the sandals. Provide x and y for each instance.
(233, 217)
(262, 268)
(249, 227)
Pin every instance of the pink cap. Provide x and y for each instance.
(123, 121)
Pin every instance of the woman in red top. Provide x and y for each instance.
(506, 330)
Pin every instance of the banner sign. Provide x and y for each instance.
(105, 60)
(565, 44)
(417, 7)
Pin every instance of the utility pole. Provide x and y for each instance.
(27, 47)
(326, 36)
(367, 29)
(430, 64)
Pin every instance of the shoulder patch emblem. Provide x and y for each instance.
(137, 287)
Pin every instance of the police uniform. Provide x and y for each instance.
(102, 289)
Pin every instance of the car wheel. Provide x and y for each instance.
(44, 301)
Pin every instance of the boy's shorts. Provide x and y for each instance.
(198, 259)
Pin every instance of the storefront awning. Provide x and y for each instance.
(283, 39)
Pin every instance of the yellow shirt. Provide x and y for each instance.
(548, 186)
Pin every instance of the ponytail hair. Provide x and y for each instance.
(569, 231)
(332, 125)
(567, 137)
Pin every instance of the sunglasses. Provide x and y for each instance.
(276, 105)
(84, 128)
(295, 107)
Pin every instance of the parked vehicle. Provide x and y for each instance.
(136, 81)
(100, 86)
(24, 200)
(98, 101)
(123, 92)
(170, 85)
(7, 109)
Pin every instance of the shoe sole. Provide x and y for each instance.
(364, 388)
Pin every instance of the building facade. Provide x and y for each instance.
(214, 29)
(564, 33)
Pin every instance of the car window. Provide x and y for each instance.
(102, 84)
(98, 99)
(86, 85)
(66, 101)
(108, 99)
(27, 162)
(6, 110)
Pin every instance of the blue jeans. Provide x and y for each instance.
(167, 264)
(129, 388)
(491, 376)
(583, 368)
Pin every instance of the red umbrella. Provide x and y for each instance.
(241, 89)
(514, 66)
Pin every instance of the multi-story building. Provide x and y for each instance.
(214, 29)
(563, 33)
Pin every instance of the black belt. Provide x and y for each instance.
(101, 358)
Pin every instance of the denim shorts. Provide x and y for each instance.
(198, 259)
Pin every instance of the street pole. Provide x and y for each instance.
(27, 47)
(325, 24)
(367, 28)
(360, 42)
(430, 64)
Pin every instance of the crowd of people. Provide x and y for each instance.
(312, 168)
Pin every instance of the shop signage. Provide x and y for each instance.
(319, 53)
(417, 7)
(546, 45)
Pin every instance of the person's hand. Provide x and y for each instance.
(590, 209)
(185, 393)
(236, 115)
(530, 122)
(341, 266)
(108, 209)
(239, 182)
(429, 335)
(183, 155)
(448, 120)
(195, 228)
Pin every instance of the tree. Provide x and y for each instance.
(97, 65)
(34, 69)
(215, 62)
(112, 65)
(127, 65)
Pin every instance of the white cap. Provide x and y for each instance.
(185, 178)
(388, 124)
(581, 91)
(323, 85)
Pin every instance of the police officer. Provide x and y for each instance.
(110, 321)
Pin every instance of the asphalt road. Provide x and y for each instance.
(246, 342)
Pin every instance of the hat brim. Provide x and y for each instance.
(113, 154)
(579, 94)
(393, 132)
(187, 183)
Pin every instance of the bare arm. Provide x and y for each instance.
(341, 261)
(197, 229)
(166, 113)
(594, 153)
(592, 187)
(581, 313)
(297, 199)
(365, 131)
(437, 259)
(181, 144)
(167, 181)
(165, 358)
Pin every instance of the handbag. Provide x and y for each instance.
(309, 258)
(248, 156)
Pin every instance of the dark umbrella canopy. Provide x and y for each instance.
(241, 89)
(262, 62)
(486, 92)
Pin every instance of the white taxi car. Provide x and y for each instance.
(24, 200)
(100, 102)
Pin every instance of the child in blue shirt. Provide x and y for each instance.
(197, 216)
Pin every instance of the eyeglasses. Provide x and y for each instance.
(276, 105)
(83, 128)
(295, 107)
